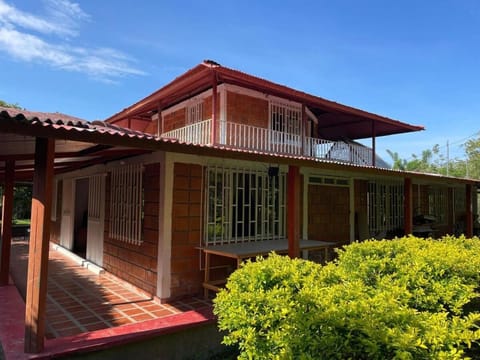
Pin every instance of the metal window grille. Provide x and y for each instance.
(437, 203)
(94, 197)
(126, 203)
(244, 205)
(460, 201)
(286, 118)
(195, 113)
(385, 207)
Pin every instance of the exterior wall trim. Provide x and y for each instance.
(165, 226)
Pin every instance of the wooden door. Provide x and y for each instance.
(328, 213)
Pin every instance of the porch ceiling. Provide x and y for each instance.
(18, 129)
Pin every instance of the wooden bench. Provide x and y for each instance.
(247, 250)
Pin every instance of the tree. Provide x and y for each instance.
(9, 105)
(434, 162)
(472, 165)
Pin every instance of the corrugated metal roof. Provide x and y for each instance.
(341, 121)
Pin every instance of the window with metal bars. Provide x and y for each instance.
(437, 203)
(385, 207)
(126, 204)
(244, 205)
(285, 118)
(195, 113)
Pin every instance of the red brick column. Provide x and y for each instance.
(293, 212)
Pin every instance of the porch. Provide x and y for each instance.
(89, 311)
(239, 136)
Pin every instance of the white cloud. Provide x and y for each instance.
(28, 37)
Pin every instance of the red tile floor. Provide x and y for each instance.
(80, 301)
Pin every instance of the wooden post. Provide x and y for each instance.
(213, 132)
(407, 206)
(7, 212)
(374, 146)
(304, 129)
(35, 303)
(293, 205)
(468, 212)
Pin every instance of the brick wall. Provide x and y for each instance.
(186, 277)
(152, 127)
(247, 110)
(174, 120)
(136, 264)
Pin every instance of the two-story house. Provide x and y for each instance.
(217, 166)
(266, 144)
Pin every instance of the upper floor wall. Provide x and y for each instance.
(215, 105)
(248, 119)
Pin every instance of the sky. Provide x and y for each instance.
(413, 61)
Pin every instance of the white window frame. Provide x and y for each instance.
(285, 118)
(230, 199)
(126, 203)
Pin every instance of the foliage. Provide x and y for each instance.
(397, 299)
(9, 105)
(433, 161)
(22, 201)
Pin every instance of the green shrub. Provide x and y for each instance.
(397, 299)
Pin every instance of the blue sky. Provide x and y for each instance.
(414, 61)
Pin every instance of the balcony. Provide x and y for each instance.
(239, 136)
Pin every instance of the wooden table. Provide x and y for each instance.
(242, 251)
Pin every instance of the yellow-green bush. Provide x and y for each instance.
(396, 299)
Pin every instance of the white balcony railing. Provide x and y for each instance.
(198, 133)
(241, 136)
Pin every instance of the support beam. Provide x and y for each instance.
(214, 129)
(374, 143)
(293, 215)
(408, 206)
(304, 128)
(468, 211)
(7, 212)
(35, 304)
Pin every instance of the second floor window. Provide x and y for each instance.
(285, 118)
(195, 113)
